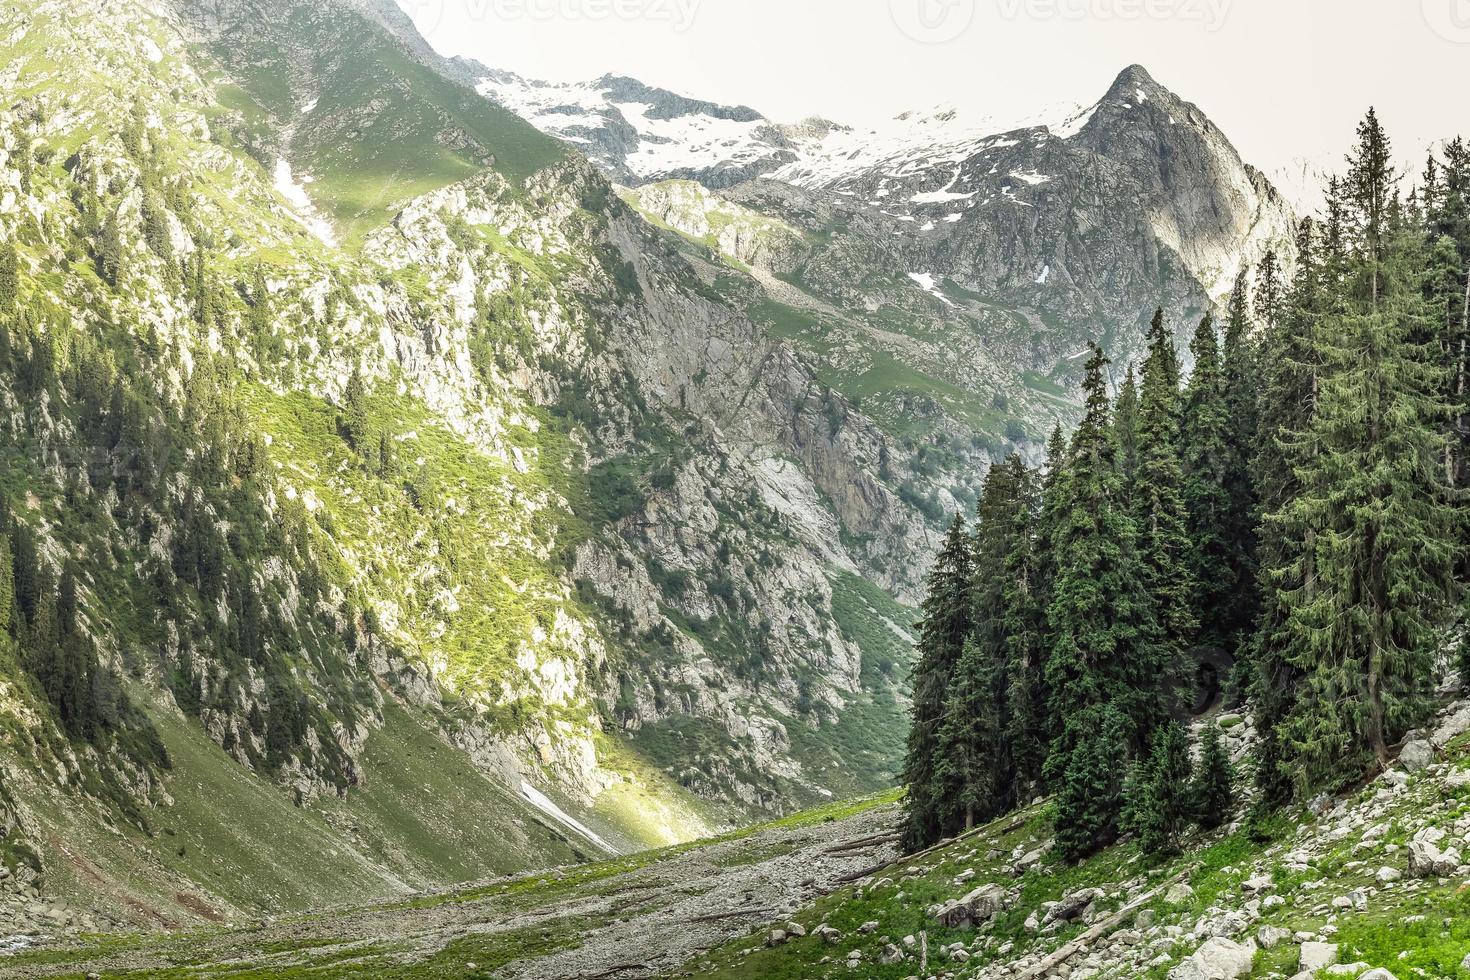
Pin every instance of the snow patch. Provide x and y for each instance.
(294, 192)
(925, 281)
(1045, 275)
(539, 800)
(310, 107)
(1030, 177)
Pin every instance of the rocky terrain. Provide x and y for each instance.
(1371, 885)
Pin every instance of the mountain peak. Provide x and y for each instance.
(1134, 84)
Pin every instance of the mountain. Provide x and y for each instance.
(392, 500)
(979, 255)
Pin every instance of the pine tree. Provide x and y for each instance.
(1242, 382)
(1030, 725)
(1125, 428)
(1213, 789)
(1158, 813)
(9, 278)
(1206, 493)
(7, 587)
(1089, 804)
(1374, 512)
(1098, 626)
(1291, 366)
(972, 753)
(356, 427)
(1163, 540)
(942, 633)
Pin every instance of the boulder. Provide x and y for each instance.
(891, 955)
(1378, 974)
(1217, 959)
(1428, 861)
(976, 908)
(1387, 876)
(827, 934)
(1417, 756)
(1072, 906)
(1180, 894)
(1318, 956)
(1272, 936)
(1454, 725)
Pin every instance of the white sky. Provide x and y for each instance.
(1287, 80)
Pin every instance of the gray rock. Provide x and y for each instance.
(1378, 974)
(1272, 936)
(1416, 756)
(1217, 959)
(1318, 956)
(976, 908)
(1427, 861)
(1180, 894)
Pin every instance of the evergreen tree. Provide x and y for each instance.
(1158, 813)
(1163, 541)
(1125, 428)
(9, 278)
(942, 633)
(1030, 725)
(1288, 401)
(1374, 512)
(356, 427)
(1090, 792)
(1099, 626)
(972, 753)
(1242, 384)
(1207, 470)
(7, 586)
(1213, 790)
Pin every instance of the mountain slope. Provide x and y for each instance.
(433, 527)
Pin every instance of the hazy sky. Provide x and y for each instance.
(1286, 79)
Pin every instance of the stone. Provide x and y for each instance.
(1387, 876)
(1272, 936)
(1378, 974)
(1427, 861)
(976, 908)
(1416, 756)
(1458, 780)
(1072, 906)
(776, 937)
(891, 955)
(1217, 959)
(1318, 956)
(1258, 885)
(869, 927)
(1454, 725)
(827, 934)
(1180, 894)
(795, 930)
(1146, 919)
